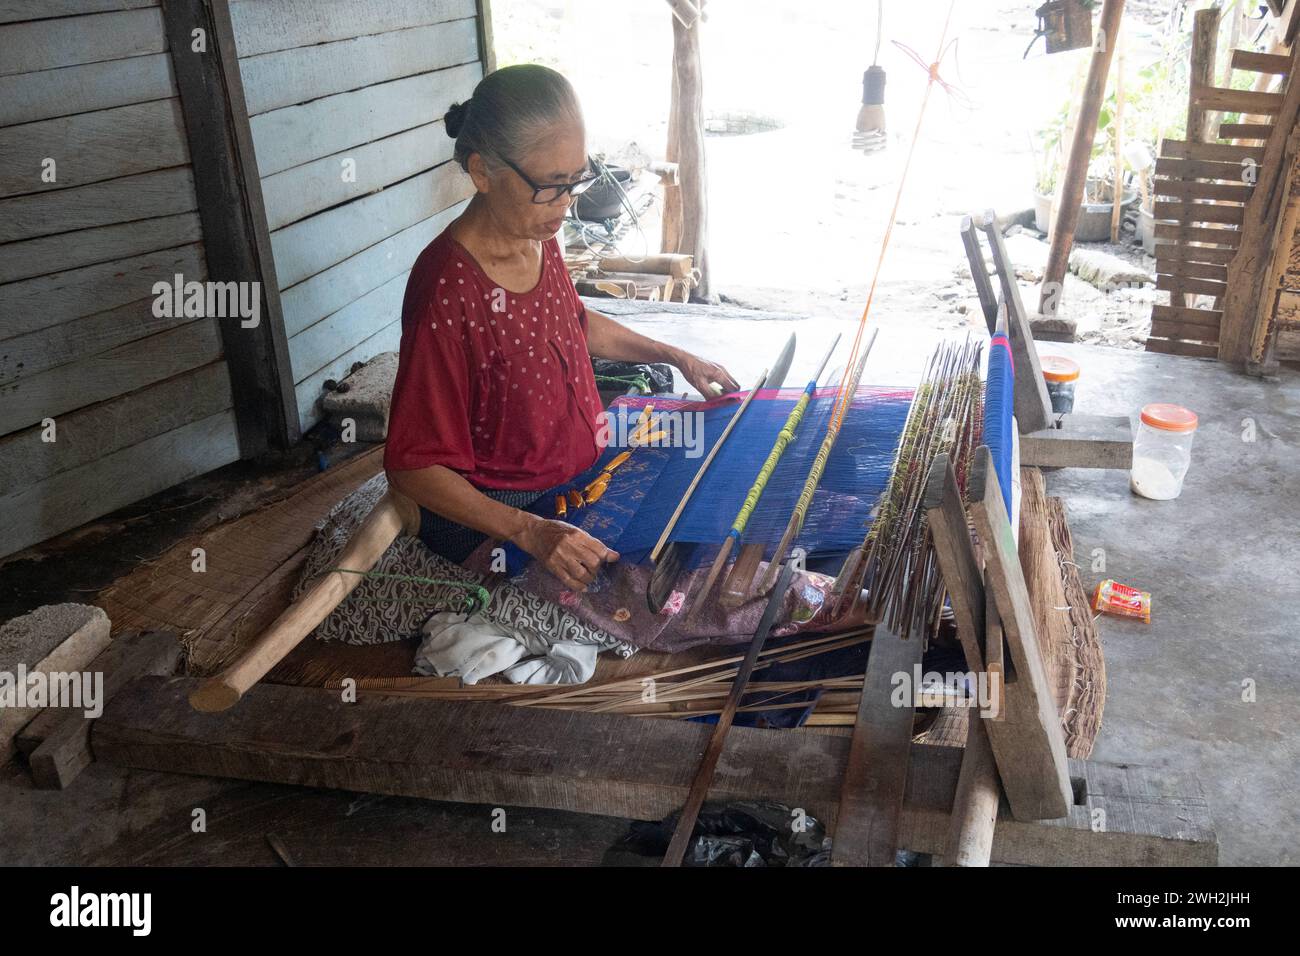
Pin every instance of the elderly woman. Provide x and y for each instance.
(495, 399)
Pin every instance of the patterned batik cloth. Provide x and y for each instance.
(383, 609)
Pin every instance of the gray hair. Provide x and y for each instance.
(510, 112)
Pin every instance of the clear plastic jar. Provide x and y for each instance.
(1061, 375)
(1162, 451)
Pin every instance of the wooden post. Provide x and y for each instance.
(1205, 39)
(486, 45)
(235, 237)
(685, 222)
(1262, 336)
(1026, 737)
(975, 805)
(875, 778)
(1117, 197)
(1033, 406)
(1037, 782)
(1076, 170)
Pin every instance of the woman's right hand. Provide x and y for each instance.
(567, 552)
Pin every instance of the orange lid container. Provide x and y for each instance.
(1169, 418)
(1058, 368)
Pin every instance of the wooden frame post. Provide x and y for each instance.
(1027, 740)
(1076, 169)
(685, 221)
(236, 241)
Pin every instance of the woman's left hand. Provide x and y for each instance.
(701, 373)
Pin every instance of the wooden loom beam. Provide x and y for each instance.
(875, 776)
(393, 515)
(619, 766)
(1027, 741)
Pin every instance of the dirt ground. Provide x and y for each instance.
(796, 217)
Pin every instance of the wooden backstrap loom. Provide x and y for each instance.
(1010, 796)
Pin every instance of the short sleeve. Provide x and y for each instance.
(428, 422)
(568, 290)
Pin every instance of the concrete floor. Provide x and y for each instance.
(1220, 562)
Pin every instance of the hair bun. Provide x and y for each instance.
(454, 119)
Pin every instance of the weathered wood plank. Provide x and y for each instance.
(67, 250)
(1187, 252)
(166, 192)
(49, 300)
(294, 135)
(1236, 101)
(875, 777)
(1039, 787)
(319, 344)
(1252, 131)
(1214, 152)
(11, 11)
(104, 376)
(330, 290)
(40, 511)
(1180, 330)
(1183, 286)
(309, 390)
(608, 765)
(1170, 168)
(299, 192)
(98, 430)
(313, 245)
(1189, 212)
(26, 355)
(262, 27)
(1032, 405)
(286, 77)
(1081, 441)
(1181, 232)
(1260, 62)
(57, 743)
(962, 577)
(1187, 316)
(91, 147)
(1195, 189)
(1177, 347)
(1191, 270)
(47, 44)
(28, 97)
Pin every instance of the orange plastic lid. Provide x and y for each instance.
(1058, 368)
(1170, 418)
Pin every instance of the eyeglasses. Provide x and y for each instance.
(544, 193)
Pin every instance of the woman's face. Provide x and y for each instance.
(561, 158)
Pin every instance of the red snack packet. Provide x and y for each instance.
(1111, 597)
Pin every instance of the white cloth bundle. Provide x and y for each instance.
(475, 647)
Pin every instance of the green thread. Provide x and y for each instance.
(627, 381)
(760, 483)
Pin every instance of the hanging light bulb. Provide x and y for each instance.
(869, 133)
(869, 136)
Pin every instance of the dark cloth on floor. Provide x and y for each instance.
(455, 542)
